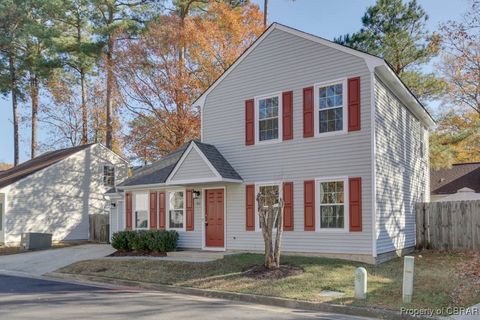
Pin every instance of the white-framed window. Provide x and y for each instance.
(141, 217)
(268, 118)
(330, 99)
(176, 210)
(422, 142)
(332, 204)
(108, 176)
(266, 187)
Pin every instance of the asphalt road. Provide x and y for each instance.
(29, 298)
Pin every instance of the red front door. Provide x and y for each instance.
(214, 213)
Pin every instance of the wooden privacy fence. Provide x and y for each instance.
(448, 225)
(99, 227)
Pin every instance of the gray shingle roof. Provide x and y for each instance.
(41, 162)
(158, 172)
(461, 175)
(218, 161)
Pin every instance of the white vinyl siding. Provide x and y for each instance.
(294, 63)
(193, 167)
(59, 198)
(402, 173)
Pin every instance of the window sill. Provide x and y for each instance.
(266, 142)
(332, 133)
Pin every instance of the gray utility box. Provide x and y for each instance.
(35, 241)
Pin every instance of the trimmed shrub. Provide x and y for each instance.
(145, 240)
(163, 241)
(140, 241)
(120, 241)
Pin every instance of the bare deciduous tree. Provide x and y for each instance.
(270, 211)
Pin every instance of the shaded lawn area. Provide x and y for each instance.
(439, 279)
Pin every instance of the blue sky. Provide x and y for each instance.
(324, 18)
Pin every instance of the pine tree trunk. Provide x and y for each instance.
(265, 13)
(34, 98)
(13, 81)
(109, 66)
(84, 108)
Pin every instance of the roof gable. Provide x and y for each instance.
(36, 164)
(162, 172)
(373, 63)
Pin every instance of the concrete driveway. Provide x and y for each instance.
(37, 263)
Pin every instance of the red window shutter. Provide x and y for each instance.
(287, 106)
(308, 112)
(161, 211)
(249, 122)
(309, 205)
(288, 206)
(354, 104)
(355, 203)
(189, 209)
(250, 207)
(128, 211)
(153, 210)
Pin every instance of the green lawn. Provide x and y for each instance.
(437, 282)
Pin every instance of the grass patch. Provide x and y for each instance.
(437, 283)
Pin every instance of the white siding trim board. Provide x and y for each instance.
(373, 163)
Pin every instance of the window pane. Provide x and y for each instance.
(176, 218)
(330, 97)
(175, 212)
(265, 190)
(332, 216)
(268, 129)
(176, 200)
(108, 176)
(268, 118)
(141, 219)
(330, 120)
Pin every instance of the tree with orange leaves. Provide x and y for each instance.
(172, 63)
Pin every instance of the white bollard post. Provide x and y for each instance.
(360, 283)
(408, 265)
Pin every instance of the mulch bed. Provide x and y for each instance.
(468, 277)
(137, 254)
(262, 273)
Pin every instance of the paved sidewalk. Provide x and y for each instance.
(473, 313)
(40, 262)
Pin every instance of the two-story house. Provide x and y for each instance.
(332, 129)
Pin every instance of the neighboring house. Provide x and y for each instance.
(331, 129)
(460, 182)
(56, 191)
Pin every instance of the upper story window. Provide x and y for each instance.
(330, 107)
(332, 206)
(176, 210)
(268, 122)
(108, 176)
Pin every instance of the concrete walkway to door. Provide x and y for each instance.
(37, 263)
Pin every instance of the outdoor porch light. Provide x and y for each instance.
(113, 205)
(196, 194)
